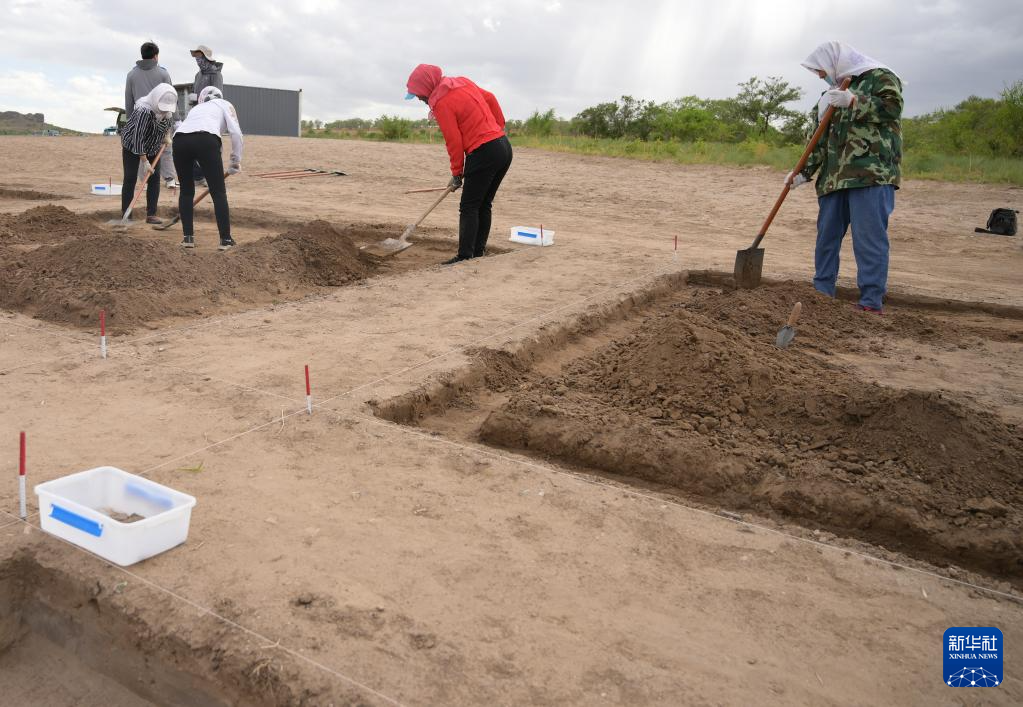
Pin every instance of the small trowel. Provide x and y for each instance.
(788, 332)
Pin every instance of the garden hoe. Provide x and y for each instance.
(200, 197)
(392, 246)
(749, 263)
(125, 221)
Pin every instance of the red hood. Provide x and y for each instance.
(428, 80)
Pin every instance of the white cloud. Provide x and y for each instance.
(76, 102)
(353, 56)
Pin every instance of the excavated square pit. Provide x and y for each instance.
(66, 643)
(681, 389)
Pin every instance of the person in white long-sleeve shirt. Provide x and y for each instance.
(197, 139)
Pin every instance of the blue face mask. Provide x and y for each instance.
(830, 81)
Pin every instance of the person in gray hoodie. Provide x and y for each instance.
(147, 75)
(141, 80)
(208, 75)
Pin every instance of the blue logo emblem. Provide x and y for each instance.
(973, 656)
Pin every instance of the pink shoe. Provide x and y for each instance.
(863, 308)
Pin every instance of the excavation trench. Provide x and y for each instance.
(65, 641)
(680, 388)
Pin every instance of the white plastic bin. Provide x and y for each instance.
(106, 189)
(71, 507)
(531, 236)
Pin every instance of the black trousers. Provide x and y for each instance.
(485, 167)
(203, 148)
(131, 180)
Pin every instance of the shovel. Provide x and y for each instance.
(749, 263)
(200, 197)
(125, 220)
(788, 332)
(392, 246)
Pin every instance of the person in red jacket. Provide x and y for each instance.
(473, 127)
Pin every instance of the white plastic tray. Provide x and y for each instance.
(72, 507)
(531, 236)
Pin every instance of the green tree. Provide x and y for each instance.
(762, 101)
(394, 127)
(540, 124)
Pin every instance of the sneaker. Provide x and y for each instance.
(456, 259)
(864, 308)
(188, 242)
(155, 220)
(171, 184)
(227, 244)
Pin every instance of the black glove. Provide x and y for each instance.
(456, 183)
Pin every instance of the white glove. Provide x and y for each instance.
(235, 168)
(841, 97)
(796, 181)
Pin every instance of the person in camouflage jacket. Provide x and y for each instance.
(858, 160)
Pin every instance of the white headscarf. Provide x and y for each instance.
(162, 99)
(209, 93)
(841, 61)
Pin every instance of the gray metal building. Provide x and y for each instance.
(261, 111)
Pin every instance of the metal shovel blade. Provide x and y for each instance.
(788, 332)
(785, 337)
(749, 265)
(390, 246)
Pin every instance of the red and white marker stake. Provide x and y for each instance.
(308, 393)
(675, 253)
(23, 511)
(103, 333)
(541, 235)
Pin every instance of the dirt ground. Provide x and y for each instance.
(342, 558)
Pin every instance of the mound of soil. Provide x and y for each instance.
(826, 322)
(138, 281)
(698, 399)
(45, 224)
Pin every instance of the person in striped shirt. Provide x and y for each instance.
(146, 129)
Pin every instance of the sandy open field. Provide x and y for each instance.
(573, 475)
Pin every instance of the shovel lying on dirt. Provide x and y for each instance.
(749, 263)
(392, 246)
(125, 220)
(200, 197)
(788, 332)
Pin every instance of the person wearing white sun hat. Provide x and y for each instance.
(147, 127)
(197, 139)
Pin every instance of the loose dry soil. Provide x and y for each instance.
(542, 510)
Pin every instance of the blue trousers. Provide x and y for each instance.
(867, 209)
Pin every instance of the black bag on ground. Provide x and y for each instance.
(1001, 222)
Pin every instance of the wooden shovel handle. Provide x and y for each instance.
(425, 191)
(825, 122)
(434, 205)
(794, 316)
(142, 186)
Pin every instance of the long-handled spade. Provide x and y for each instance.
(749, 263)
(199, 197)
(392, 246)
(125, 220)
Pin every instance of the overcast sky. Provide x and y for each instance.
(351, 58)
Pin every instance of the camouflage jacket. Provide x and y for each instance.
(863, 145)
